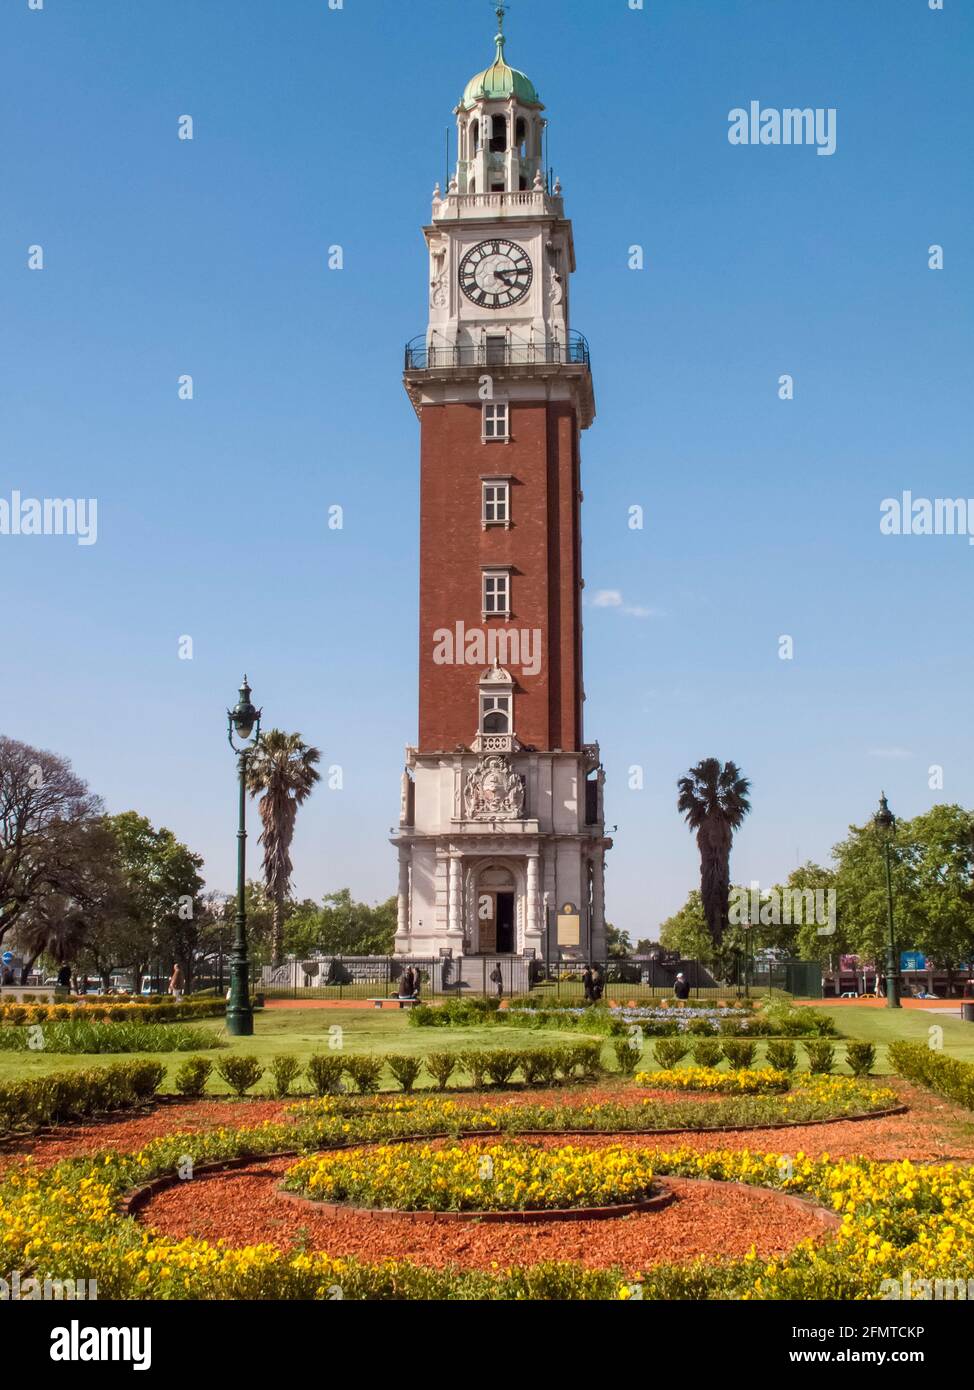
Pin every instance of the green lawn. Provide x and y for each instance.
(883, 1026)
(304, 1031)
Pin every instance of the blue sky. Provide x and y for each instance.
(315, 126)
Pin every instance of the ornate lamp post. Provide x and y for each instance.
(244, 721)
(885, 823)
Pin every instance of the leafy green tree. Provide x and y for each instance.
(160, 899)
(342, 926)
(686, 931)
(618, 945)
(806, 939)
(860, 883)
(281, 771)
(941, 861)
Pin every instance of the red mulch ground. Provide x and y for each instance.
(244, 1206)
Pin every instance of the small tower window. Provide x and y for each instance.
(475, 135)
(498, 134)
(495, 714)
(522, 135)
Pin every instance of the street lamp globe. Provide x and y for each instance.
(243, 716)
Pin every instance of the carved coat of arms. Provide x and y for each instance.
(493, 791)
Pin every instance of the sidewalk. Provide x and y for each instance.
(870, 1000)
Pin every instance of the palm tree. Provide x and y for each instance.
(53, 928)
(714, 801)
(281, 770)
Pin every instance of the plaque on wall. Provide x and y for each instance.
(569, 925)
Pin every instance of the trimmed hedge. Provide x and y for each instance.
(81, 1035)
(71, 1095)
(950, 1078)
(598, 1018)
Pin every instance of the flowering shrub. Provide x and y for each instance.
(811, 1098)
(474, 1177)
(108, 1008)
(745, 1082)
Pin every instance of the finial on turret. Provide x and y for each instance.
(500, 11)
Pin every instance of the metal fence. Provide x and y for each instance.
(376, 977)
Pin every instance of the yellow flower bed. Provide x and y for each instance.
(897, 1220)
(475, 1177)
(750, 1081)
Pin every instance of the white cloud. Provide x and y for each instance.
(890, 753)
(612, 598)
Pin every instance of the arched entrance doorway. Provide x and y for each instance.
(496, 901)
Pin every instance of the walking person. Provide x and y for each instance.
(497, 979)
(681, 986)
(598, 984)
(407, 983)
(587, 985)
(176, 981)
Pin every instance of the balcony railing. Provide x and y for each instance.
(517, 203)
(422, 356)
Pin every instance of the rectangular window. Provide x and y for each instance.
(495, 426)
(496, 509)
(497, 597)
(496, 349)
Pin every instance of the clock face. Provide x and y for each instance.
(496, 274)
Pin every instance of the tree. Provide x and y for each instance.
(860, 884)
(714, 801)
(342, 927)
(941, 850)
(686, 931)
(59, 924)
(281, 770)
(156, 917)
(617, 943)
(42, 805)
(808, 940)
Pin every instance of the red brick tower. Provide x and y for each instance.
(501, 824)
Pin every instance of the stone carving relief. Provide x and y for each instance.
(493, 791)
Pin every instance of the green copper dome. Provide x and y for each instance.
(499, 81)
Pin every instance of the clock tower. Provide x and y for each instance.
(501, 823)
